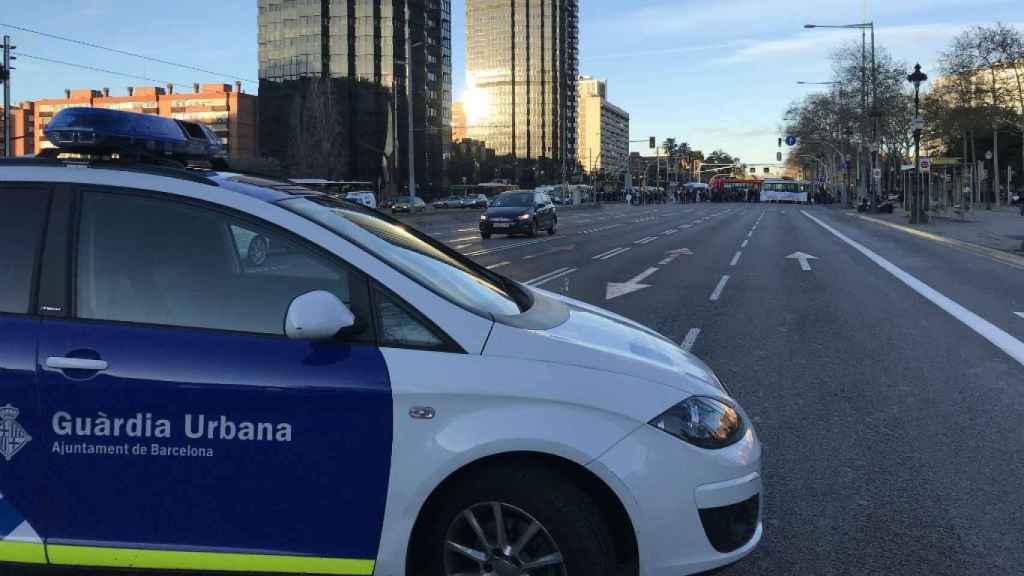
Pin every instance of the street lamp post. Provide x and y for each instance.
(918, 212)
(874, 95)
(988, 179)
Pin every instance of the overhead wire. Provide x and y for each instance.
(126, 53)
(21, 54)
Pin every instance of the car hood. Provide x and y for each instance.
(595, 338)
(507, 211)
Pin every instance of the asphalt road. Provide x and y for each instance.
(890, 409)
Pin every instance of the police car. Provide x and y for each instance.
(359, 400)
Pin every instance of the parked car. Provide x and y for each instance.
(362, 197)
(519, 212)
(449, 202)
(475, 201)
(408, 204)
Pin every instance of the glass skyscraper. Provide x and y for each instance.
(522, 64)
(364, 40)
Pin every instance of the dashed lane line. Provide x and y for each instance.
(735, 258)
(690, 340)
(744, 245)
(718, 289)
(499, 265)
(544, 279)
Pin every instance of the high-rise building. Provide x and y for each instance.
(458, 121)
(603, 134)
(521, 66)
(360, 46)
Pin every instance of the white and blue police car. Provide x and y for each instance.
(358, 399)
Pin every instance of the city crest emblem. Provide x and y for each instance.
(12, 436)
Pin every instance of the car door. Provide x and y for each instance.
(23, 451)
(187, 430)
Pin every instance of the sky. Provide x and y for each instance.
(713, 73)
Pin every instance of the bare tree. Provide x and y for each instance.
(319, 144)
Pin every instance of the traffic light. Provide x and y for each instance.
(780, 142)
(652, 144)
(778, 156)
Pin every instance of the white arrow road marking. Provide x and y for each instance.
(616, 289)
(999, 338)
(550, 276)
(803, 258)
(690, 340)
(718, 289)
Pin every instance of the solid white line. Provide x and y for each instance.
(735, 259)
(543, 276)
(599, 256)
(744, 245)
(691, 339)
(506, 247)
(665, 261)
(498, 265)
(1021, 314)
(718, 289)
(997, 336)
(614, 253)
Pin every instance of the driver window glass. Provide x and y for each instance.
(165, 262)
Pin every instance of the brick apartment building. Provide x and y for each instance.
(21, 118)
(229, 112)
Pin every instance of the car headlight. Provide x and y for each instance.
(524, 216)
(703, 421)
(483, 217)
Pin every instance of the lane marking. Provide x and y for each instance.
(1021, 314)
(666, 261)
(615, 253)
(749, 234)
(545, 278)
(602, 254)
(498, 265)
(718, 289)
(460, 247)
(670, 231)
(507, 247)
(744, 245)
(690, 340)
(999, 338)
(735, 258)
(646, 240)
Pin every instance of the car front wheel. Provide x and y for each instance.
(515, 519)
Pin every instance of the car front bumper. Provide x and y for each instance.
(694, 509)
(513, 227)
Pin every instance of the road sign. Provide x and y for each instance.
(876, 173)
(790, 140)
(821, 179)
(924, 164)
(917, 123)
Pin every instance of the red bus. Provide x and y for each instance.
(735, 190)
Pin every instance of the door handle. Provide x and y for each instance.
(61, 363)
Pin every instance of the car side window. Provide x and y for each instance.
(168, 262)
(22, 216)
(397, 327)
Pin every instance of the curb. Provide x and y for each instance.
(993, 253)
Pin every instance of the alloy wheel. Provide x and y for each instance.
(498, 539)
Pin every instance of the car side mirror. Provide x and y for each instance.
(317, 315)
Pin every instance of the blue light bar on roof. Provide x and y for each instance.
(103, 131)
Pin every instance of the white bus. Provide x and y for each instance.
(778, 190)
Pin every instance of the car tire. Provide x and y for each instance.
(572, 527)
(485, 235)
(553, 228)
(532, 233)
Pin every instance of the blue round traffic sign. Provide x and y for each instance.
(790, 140)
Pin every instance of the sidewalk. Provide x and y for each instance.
(1002, 228)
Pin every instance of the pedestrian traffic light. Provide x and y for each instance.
(780, 142)
(652, 143)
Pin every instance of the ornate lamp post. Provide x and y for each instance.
(918, 212)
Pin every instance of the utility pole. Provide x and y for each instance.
(5, 76)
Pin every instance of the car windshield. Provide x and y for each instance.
(430, 263)
(513, 199)
(402, 199)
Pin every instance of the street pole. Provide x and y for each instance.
(7, 96)
(408, 97)
(874, 122)
(918, 211)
